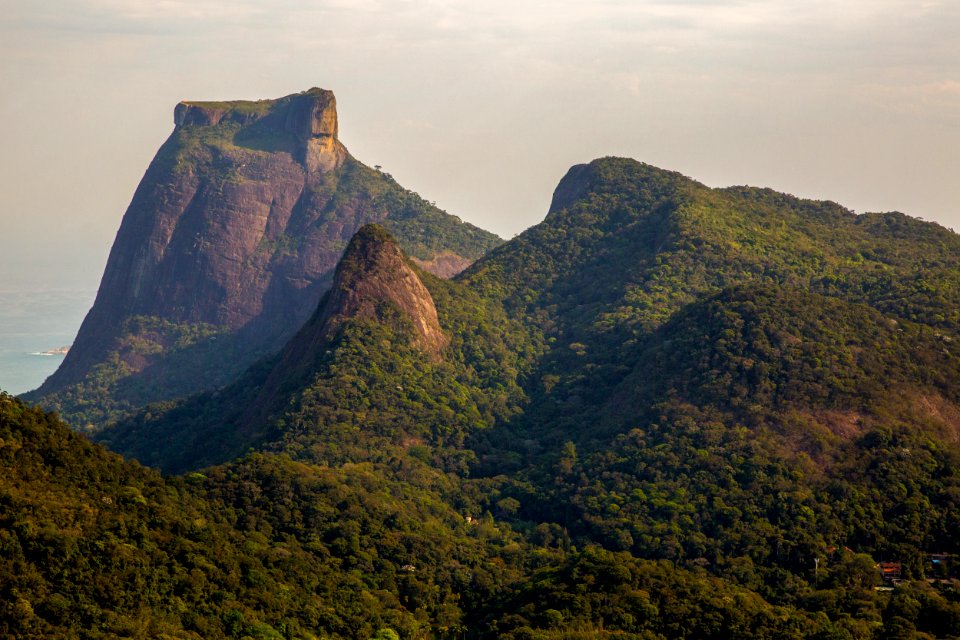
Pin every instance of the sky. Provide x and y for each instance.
(480, 106)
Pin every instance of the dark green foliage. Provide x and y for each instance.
(666, 412)
(735, 379)
(266, 547)
(273, 548)
(631, 245)
(181, 354)
(97, 547)
(756, 349)
(615, 595)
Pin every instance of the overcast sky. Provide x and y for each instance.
(481, 106)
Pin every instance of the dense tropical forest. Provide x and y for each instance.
(667, 411)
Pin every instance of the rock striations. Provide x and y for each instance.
(228, 244)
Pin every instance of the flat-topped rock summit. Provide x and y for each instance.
(311, 118)
(229, 243)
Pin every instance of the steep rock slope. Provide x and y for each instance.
(373, 273)
(228, 244)
(373, 283)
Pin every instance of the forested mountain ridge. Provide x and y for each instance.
(626, 246)
(228, 244)
(649, 240)
(667, 411)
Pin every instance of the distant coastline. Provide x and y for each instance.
(32, 324)
(59, 351)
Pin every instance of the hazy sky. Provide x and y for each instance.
(481, 105)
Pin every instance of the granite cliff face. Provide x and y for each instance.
(228, 244)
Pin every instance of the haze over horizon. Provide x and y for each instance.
(481, 108)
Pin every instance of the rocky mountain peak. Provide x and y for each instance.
(373, 271)
(187, 114)
(229, 243)
(612, 175)
(311, 116)
(571, 187)
(373, 281)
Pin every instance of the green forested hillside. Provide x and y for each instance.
(267, 547)
(271, 548)
(633, 244)
(763, 423)
(97, 547)
(666, 411)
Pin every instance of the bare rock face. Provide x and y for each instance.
(186, 114)
(373, 271)
(372, 281)
(571, 188)
(310, 117)
(314, 122)
(446, 264)
(233, 235)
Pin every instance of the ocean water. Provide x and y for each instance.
(32, 323)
